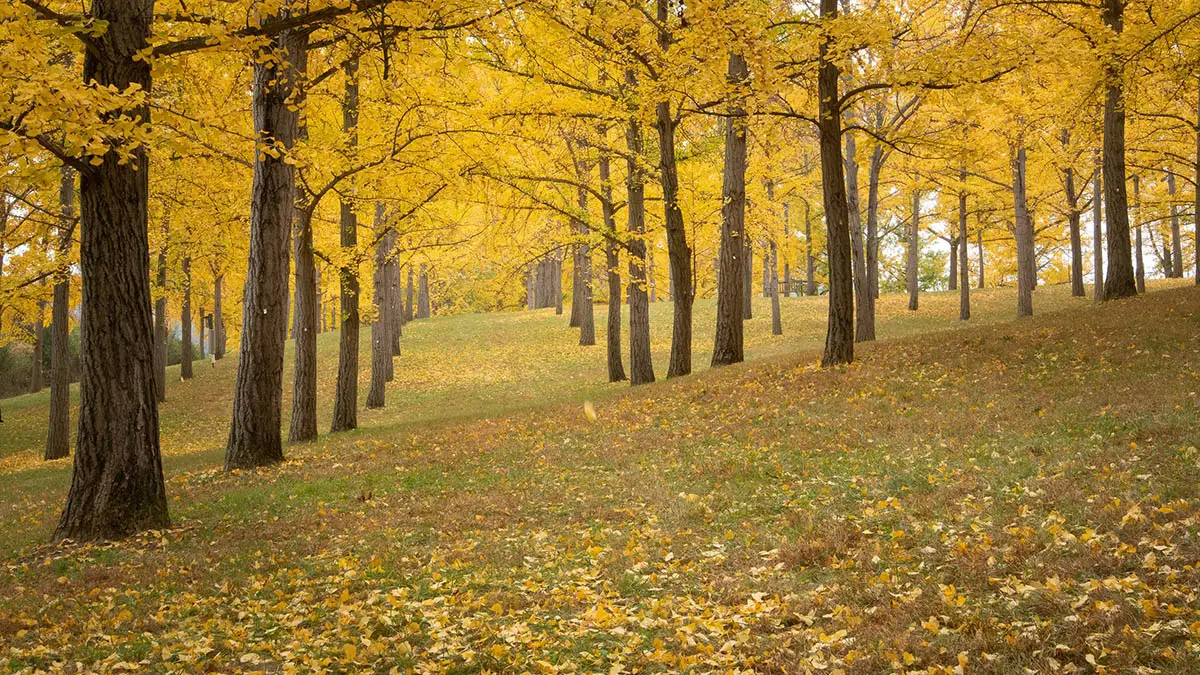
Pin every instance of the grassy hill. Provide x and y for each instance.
(998, 497)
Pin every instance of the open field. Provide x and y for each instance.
(994, 497)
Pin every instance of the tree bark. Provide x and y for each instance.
(641, 366)
(1119, 282)
(185, 319)
(1023, 229)
(381, 350)
(776, 319)
(839, 336)
(683, 291)
(912, 252)
(117, 485)
(616, 367)
(747, 278)
(303, 425)
(255, 434)
(735, 279)
(58, 435)
(952, 280)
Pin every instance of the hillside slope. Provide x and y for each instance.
(999, 498)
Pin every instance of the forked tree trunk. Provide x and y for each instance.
(735, 279)
(683, 291)
(303, 425)
(839, 336)
(185, 319)
(616, 368)
(1119, 282)
(1023, 230)
(381, 351)
(912, 252)
(254, 435)
(345, 399)
(641, 367)
(58, 436)
(117, 485)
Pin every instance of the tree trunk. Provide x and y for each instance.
(875, 168)
(410, 300)
(776, 319)
(423, 310)
(200, 344)
(680, 255)
(583, 264)
(964, 281)
(1176, 271)
(39, 348)
(395, 296)
(747, 279)
(1023, 229)
(864, 321)
(218, 328)
(381, 351)
(839, 336)
(1097, 237)
(160, 319)
(979, 251)
(1119, 282)
(117, 485)
(303, 425)
(345, 400)
(766, 271)
(185, 318)
(1073, 218)
(255, 435)
(1139, 263)
(912, 252)
(952, 280)
(1196, 197)
(653, 281)
(641, 366)
(58, 436)
(616, 367)
(810, 281)
(736, 277)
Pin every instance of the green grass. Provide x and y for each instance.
(963, 492)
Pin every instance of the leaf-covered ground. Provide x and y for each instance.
(1004, 498)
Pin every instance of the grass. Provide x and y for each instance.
(995, 497)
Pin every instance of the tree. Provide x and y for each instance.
(58, 436)
(733, 286)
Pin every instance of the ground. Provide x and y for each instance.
(999, 497)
